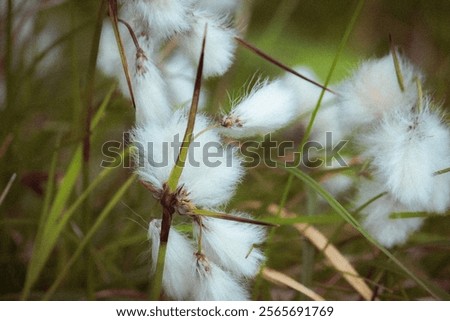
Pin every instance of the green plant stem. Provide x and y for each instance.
(156, 289)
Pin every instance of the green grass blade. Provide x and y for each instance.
(97, 224)
(101, 110)
(352, 221)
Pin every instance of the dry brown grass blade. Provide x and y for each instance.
(278, 277)
(332, 254)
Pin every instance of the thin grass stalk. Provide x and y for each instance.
(113, 15)
(49, 192)
(89, 94)
(7, 188)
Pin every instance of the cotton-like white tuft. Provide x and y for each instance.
(178, 279)
(389, 232)
(219, 47)
(306, 94)
(373, 90)
(269, 107)
(406, 148)
(232, 245)
(211, 172)
(213, 284)
(161, 19)
(150, 92)
(179, 74)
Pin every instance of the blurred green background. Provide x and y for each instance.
(44, 65)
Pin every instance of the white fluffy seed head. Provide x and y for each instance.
(214, 284)
(373, 90)
(219, 47)
(232, 245)
(178, 279)
(387, 231)
(269, 107)
(212, 169)
(150, 92)
(406, 148)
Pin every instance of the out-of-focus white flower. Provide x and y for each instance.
(406, 148)
(150, 92)
(211, 172)
(387, 231)
(213, 284)
(220, 44)
(232, 244)
(373, 90)
(179, 74)
(178, 279)
(269, 107)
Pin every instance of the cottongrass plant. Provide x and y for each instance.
(221, 254)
